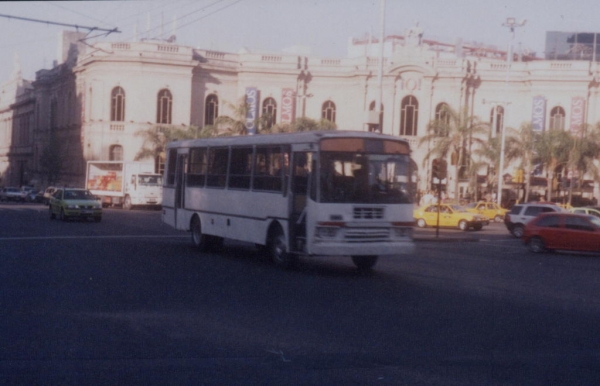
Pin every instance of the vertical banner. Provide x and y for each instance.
(288, 105)
(538, 114)
(252, 112)
(577, 115)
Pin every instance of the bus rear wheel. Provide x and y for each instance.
(277, 248)
(364, 263)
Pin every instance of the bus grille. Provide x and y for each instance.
(363, 235)
(362, 213)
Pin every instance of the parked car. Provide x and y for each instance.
(563, 231)
(490, 210)
(521, 214)
(31, 195)
(67, 203)
(450, 216)
(12, 194)
(586, 210)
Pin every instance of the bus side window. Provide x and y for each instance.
(268, 175)
(197, 167)
(217, 167)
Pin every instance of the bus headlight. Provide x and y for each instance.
(327, 230)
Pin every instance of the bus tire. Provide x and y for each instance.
(277, 248)
(364, 263)
(199, 239)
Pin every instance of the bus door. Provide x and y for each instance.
(180, 188)
(299, 189)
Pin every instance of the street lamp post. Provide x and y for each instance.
(511, 23)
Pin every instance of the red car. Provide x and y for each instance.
(563, 231)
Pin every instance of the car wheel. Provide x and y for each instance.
(127, 204)
(536, 245)
(364, 263)
(278, 249)
(498, 218)
(518, 231)
(52, 214)
(421, 223)
(463, 226)
(63, 216)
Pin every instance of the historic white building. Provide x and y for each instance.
(96, 100)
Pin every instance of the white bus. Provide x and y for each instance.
(324, 193)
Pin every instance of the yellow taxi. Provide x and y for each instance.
(490, 210)
(450, 216)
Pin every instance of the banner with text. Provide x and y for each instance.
(288, 105)
(538, 114)
(577, 115)
(252, 102)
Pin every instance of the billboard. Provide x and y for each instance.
(538, 114)
(288, 105)
(252, 102)
(577, 115)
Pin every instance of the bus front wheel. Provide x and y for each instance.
(277, 248)
(364, 263)
(199, 239)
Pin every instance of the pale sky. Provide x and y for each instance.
(273, 25)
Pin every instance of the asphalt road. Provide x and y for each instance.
(129, 301)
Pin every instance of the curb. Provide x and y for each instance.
(446, 239)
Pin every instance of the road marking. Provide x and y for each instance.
(89, 237)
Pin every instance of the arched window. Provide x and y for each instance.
(269, 111)
(557, 118)
(164, 106)
(441, 116)
(409, 115)
(211, 109)
(117, 105)
(115, 153)
(499, 118)
(328, 111)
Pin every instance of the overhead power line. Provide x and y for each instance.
(90, 29)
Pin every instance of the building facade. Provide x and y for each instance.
(96, 102)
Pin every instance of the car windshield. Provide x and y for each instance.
(458, 208)
(471, 205)
(78, 195)
(150, 180)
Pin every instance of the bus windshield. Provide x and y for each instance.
(350, 177)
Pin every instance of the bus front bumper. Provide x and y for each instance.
(363, 249)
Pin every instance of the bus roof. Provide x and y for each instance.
(280, 138)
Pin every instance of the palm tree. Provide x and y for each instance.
(521, 146)
(552, 148)
(489, 157)
(236, 123)
(584, 153)
(302, 124)
(454, 134)
(157, 137)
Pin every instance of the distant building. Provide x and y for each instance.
(96, 101)
(572, 46)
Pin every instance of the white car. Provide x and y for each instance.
(521, 214)
(12, 194)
